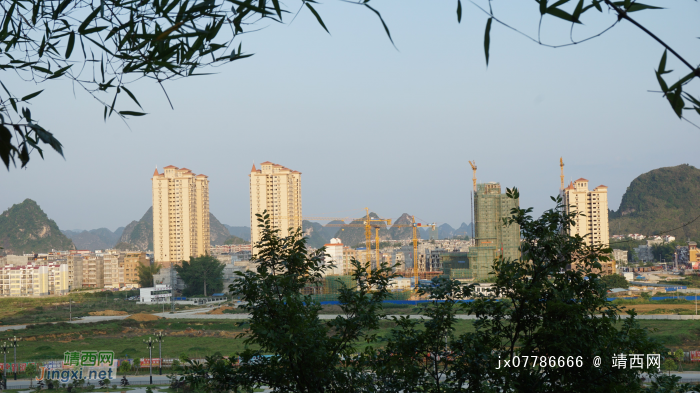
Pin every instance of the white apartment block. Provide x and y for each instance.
(593, 223)
(180, 215)
(620, 256)
(33, 279)
(334, 249)
(278, 190)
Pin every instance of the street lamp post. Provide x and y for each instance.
(159, 340)
(13, 343)
(4, 348)
(149, 344)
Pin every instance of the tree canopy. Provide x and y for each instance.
(539, 326)
(615, 281)
(104, 47)
(202, 275)
(146, 273)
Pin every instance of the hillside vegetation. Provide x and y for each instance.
(658, 201)
(25, 228)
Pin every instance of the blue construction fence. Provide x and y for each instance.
(417, 302)
(692, 298)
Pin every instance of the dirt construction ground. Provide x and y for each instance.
(661, 308)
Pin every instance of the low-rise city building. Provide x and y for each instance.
(158, 294)
(33, 280)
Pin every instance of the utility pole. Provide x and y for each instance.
(13, 343)
(159, 339)
(149, 344)
(172, 289)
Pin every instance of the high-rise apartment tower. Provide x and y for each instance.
(180, 215)
(594, 208)
(278, 190)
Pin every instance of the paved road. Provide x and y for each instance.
(200, 314)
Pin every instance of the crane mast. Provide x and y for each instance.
(561, 166)
(473, 164)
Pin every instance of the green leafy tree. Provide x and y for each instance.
(31, 372)
(146, 273)
(669, 365)
(308, 354)
(536, 308)
(614, 281)
(664, 252)
(136, 367)
(201, 274)
(421, 353)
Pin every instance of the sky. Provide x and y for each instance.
(371, 125)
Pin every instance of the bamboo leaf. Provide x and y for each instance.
(487, 39)
(30, 96)
(318, 17)
(459, 11)
(577, 12)
(86, 22)
(386, 28)
(561, 14)
(132, 96)
(71, 43)
(662, 64)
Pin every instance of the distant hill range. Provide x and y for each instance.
(25, 228)
(241, 232)
(658, 202)
(354, 234)
(138, 235)
(95, 239)
(445, 231)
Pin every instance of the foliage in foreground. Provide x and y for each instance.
(537, 308)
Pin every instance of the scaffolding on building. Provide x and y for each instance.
(328, 288)
(422, 275)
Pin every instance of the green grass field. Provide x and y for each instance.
(198, 338)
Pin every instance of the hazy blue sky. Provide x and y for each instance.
(372, 126)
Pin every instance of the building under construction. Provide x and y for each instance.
(492, 238)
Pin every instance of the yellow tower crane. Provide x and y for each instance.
(415, 227)
(367, 224)
(472, 196)
(473, 164)
(561, 165)
(376, 245)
